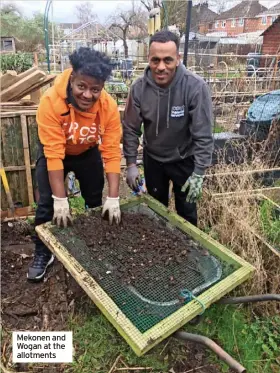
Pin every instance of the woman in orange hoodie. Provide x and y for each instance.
(78, 122)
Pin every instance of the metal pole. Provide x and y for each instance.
(53, 41)
(46, 22)
(187, 33)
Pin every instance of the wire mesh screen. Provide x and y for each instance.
(146, 266)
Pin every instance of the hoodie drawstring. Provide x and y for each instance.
(157, 113)
(168, 108)
(72, 116)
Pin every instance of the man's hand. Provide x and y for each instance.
(132, 177)
(61, 216)
(112, 205)
(194, 183)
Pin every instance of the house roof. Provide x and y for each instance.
(274, 11)
(271, 26)
(245, 9)
(203, 14)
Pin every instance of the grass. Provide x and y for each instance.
(252, 341)
(270, 222)
(97, 345)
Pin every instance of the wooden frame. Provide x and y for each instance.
(142, 342)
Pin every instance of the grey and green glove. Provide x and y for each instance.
(194, 183)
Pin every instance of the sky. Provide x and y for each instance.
(64, 11)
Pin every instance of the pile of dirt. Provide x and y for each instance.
(15, 232)
(134, 247)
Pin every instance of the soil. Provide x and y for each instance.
(48, 305)
(134, 247)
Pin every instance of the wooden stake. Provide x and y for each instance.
(25, 141)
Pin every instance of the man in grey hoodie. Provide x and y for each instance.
(176, 109)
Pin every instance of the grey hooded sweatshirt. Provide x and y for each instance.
(177, 120)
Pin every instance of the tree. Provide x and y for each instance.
(174, 13)
(85, 13)
(10, 8)
(28, 32)
(129, 23)
(150, 4)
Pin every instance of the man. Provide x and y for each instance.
(74, 117)
(175, 106)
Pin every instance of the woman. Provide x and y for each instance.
(76, 119)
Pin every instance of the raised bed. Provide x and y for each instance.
(149, 276)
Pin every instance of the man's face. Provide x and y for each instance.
(163, 61)
(85, 89)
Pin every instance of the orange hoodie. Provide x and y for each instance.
(63, 129)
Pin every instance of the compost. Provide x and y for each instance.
(134, 247)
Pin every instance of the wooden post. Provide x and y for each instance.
(35, 59)
(25, 141)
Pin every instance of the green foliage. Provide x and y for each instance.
(19, 62)
(77, 205)
(28, 32)
(218, 129)
(252, 341)
(270, 220)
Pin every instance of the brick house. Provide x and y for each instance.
(267, 17)
(239, 19)
(202, 18)
(271, 38)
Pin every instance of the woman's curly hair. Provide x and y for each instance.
(91, 63)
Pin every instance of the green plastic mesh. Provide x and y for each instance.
(146, 303)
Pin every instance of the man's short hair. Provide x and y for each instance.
(164, 37)
(91, 63)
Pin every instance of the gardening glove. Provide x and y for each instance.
(61, 216)
(132, 177)
(112, 206)
(194, 183)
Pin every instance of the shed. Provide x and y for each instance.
(8, 44)
(271, 38)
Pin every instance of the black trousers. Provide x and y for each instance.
(158, 176)
(88, 169)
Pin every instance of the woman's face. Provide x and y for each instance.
(86, 90)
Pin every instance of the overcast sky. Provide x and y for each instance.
(64, 11)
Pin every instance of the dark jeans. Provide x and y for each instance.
(88, 169)
(157, 177)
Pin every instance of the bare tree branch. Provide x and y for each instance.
(129, 24)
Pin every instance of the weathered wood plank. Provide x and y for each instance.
(33, 137)
(17, 168)
(14, 114)
(12, 155)
(8, 79)
(48, 79)
(25, 141)
(22, 85)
